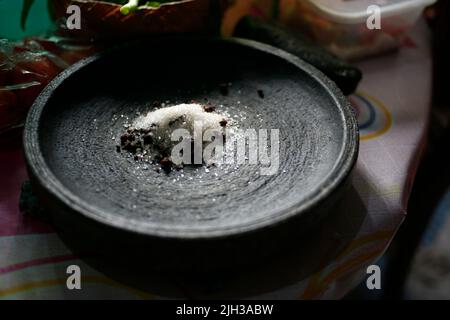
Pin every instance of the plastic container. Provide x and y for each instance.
(341, 25)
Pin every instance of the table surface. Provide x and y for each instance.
(392, 104)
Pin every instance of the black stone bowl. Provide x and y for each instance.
(105, 204)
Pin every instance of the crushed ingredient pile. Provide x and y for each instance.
(149, 137)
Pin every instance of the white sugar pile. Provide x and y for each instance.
(163, 122)
(179, 116)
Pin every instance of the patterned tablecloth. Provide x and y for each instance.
(392, 104)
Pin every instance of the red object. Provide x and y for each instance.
(5, 69)
(4, 76)
(45, 44)
(26, 67)
(8, 105)
(34, 75)
(40, 68)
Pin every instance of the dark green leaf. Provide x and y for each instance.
(51, 10)
(27, 4)
(275, 9)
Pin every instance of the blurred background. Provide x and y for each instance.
(38, 23)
